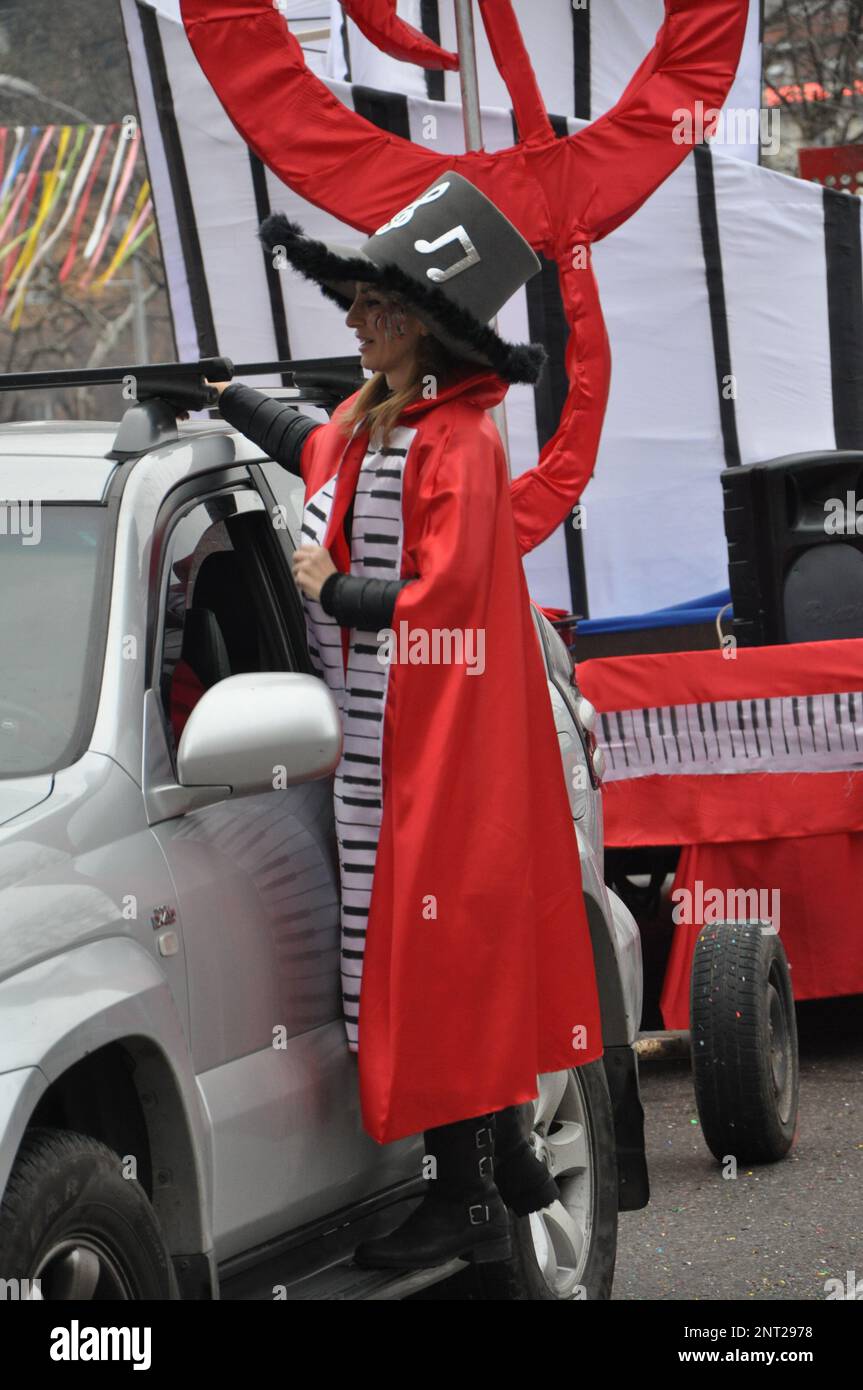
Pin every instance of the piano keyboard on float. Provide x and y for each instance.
(794, 733)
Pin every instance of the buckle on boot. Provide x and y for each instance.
(486, 1166)
(481, 1142)
(478, 1220)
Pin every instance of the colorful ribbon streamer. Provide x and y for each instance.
(103, 147)
(68, 203)
(71, 203)
(95, 255)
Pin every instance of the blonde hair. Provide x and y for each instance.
(380, 407)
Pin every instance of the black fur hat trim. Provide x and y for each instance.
(513, 362)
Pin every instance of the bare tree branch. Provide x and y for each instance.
(813, 51)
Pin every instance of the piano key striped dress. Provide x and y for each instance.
(360, 691)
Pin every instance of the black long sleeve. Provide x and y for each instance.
(364, 603)
(276, 426)
(281, 431)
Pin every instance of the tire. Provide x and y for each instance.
(71, 1220)
(545, 1267)
(744, 1043)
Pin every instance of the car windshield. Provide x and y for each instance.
(49, 565)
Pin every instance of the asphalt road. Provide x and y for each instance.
(775, 1232)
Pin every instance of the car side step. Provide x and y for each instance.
(323, 1268)
(345, 1281)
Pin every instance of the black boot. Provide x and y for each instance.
(461, 1216)
(524, 1183)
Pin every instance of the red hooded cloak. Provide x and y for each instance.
(466, 950)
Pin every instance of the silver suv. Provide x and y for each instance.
(179, 1112)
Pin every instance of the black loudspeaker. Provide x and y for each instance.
(795, 548)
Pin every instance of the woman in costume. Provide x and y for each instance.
(467, 968)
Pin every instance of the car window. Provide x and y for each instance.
(220, 613)
(282, 495)
(50, 611)
(288, 495)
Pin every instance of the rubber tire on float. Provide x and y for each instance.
(744, 1043)
(64, 1186)
(520, 1278)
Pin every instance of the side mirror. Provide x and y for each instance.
(252, 733)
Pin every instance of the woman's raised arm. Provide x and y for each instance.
(277, 427)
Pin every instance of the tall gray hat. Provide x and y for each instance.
(451, 254)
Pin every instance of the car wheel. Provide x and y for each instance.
(72, 1222)
(566, 1252)
(744, 1043)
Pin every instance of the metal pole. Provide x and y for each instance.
(467, 77)
(142, 346)
(466, 44)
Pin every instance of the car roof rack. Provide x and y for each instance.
(162, 390)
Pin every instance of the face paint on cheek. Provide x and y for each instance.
(391, 323)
